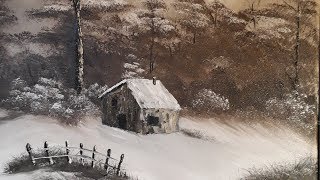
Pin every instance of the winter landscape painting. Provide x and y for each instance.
(159, 89)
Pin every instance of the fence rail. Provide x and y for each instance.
(79, 155)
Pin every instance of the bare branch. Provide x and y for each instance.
(289, 6)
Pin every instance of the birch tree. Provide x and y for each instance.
(79, 48)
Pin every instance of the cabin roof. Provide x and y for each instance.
(148, 95)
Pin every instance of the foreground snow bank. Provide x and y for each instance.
(174, 156)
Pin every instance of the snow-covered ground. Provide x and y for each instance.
(156, 157)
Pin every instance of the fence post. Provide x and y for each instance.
(47, 152)
(67, 152)
(106, 165)
(119, 165)
(93, 155)
(29, 150)
(81, 153)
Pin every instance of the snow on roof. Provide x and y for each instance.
(147, 94)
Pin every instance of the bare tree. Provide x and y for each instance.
(79, 46)
(154, 22)
(301, 13)
(253, 6)
(215, 7)
(192, 16)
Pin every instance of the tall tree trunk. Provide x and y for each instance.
(318, 97)
(297, 49)
(151, 56)
(253, 16)
(79, 46)
(151, 48)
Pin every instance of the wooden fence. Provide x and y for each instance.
(107, 166)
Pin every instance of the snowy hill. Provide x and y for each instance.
(226, 152)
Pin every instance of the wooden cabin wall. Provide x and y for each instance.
(168, 120)
(125, 105)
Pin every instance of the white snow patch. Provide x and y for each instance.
(132, 70)
(105, 3)
(236, 148)
(269, 27)
(56, 7)
(13, 49)
(236, 20)
(42, 49)
(130, 66)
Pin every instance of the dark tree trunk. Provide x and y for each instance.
(151, 48)
(151, 56)
(79, 48)
(253, 16)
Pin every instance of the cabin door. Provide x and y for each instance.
(122, 121)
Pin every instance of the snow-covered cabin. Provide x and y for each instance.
(140, 105)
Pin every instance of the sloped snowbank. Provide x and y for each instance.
(3, 113)
(41, 174)
(158, 157)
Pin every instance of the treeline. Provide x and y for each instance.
(193, 46)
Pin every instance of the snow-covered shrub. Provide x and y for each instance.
(94, 91)
(294, 108)
(208, 100)
(18, 84)
(109, 5)
(49, 97)
(132, 70)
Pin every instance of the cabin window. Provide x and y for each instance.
(153, 121)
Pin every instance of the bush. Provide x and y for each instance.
(305, 169)
(49, 97)
(294, 109)
(208, 100)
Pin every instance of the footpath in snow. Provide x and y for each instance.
(225, 156)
